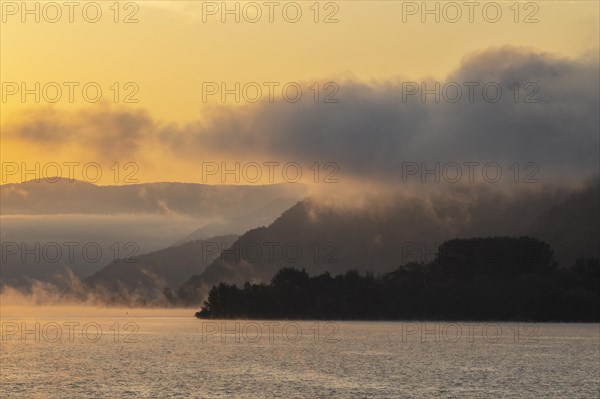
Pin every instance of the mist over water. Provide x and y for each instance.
(201, 199)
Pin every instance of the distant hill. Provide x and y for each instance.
(572, 227)
(261, 216)
(149, 274)
(377, 237)
(153, 216)
(201, 200)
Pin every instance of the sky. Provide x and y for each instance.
(161, 67)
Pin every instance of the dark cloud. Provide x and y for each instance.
(372, 130)
(109, 132)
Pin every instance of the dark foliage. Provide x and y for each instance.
(498, 278)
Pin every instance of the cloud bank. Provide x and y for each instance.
(376, 128)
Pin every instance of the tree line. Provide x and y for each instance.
(499, 278)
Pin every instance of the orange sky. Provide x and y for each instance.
(162, 62)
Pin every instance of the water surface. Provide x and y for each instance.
(169, 354)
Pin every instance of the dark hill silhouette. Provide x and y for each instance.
(150, 274)
(376, 238)
(153, 216)
(261, 216)
(572, 227)
(201, 200)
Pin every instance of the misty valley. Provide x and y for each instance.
(326, 199)
(526, 242)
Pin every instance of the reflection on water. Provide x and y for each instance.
(167, 354)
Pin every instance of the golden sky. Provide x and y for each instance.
(163, 59)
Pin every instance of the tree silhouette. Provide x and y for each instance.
(499, 278)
